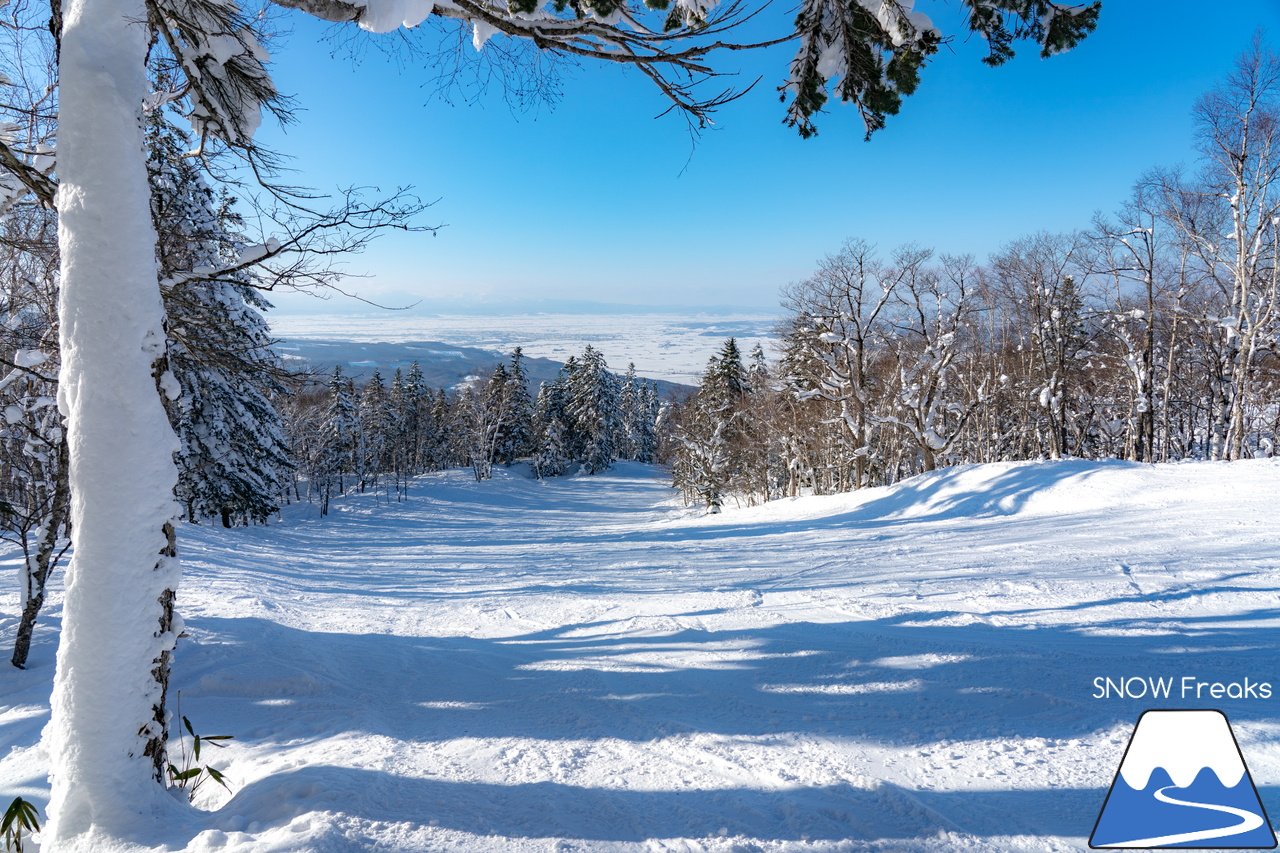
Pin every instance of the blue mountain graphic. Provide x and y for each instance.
(1132, 815)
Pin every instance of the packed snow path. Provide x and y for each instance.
(584, 664)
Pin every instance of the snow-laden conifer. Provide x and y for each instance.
(593, 406)
(234, 456)
(551, 456)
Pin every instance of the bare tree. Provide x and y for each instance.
(835, 337)
(1041, 283)
(1228, 216)
(932, 332)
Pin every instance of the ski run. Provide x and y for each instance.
(584, 664)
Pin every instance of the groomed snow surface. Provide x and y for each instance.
(584, 664)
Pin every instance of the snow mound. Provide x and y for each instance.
(1027, 489)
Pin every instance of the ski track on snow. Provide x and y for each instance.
(584, 664)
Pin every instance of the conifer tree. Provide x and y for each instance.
(234, 457)
(630, 405)
(486, 422)
(335, 449)
(374, 427)
(415, 418)
(593, 406)
(709, 459)
(645, 437)
(518, 438)
(398, 454)
(436, 453)
(552, 431)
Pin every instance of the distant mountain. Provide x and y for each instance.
(443, 365)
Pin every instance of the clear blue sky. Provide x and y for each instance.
(599, 200)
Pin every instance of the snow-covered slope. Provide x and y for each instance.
(583, 664)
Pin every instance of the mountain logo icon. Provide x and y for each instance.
(1183, 783)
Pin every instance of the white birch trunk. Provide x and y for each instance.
(121, 466)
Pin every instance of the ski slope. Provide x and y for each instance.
(583, 664)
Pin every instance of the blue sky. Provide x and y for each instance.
(598, 200)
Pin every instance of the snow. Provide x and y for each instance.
(481, 33)
(384, 16)
(584, 664)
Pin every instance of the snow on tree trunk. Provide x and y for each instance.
(121, 468)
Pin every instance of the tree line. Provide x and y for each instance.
(378, 435)
(1150, 335)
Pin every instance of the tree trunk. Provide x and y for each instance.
(59, 507)
(106, 732)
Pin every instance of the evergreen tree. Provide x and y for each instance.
(489, 423)
(398, 453)
(436, 452)
(638, 404)
(335, 450)
(551, 426)
(415, 418)
(221, 369)
(629, 406)
(644, 435)
(518, 437)
(709, 461)
(593, 406)
(374, 427)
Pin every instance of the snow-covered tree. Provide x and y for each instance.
(34, 488)
(834, 340)
(234, 455)
(35, 496)
(713, 437)
(334, 452)
(1229, 217)
(552, 429)
(636, 439)
(486, 417)
(593, 405)
(1041, 275)
(929, 403)
(374, 425)
(415, 419)
(517, 438)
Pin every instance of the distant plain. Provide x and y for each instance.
(668, 346)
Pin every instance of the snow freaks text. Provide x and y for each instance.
(1185, 687)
